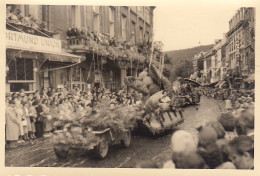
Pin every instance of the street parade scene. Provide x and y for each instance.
(90, 87)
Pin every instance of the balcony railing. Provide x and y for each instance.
(106, 50)
(28, 29)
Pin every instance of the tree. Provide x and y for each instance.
(183, 69)
(167, 59)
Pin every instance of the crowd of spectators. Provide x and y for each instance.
(29, 23)
(31, 116)
(227, 94)
(225, 143)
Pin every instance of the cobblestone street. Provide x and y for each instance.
(41, 154)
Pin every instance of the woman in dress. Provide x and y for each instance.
(47, 118)
(12, 125)
(20, 116)
(27, 123)
(32, 116)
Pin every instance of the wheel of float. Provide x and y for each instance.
(126, 141)
(101, 149)
(61, 153)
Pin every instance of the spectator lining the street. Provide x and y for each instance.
(212, 151)
(12, 125)
(242, 152)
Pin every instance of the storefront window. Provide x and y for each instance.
(21, 75)
(22, 69)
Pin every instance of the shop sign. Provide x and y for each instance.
(31, 42)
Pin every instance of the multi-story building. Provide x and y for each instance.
(216, 62)
(53, 61)
(232, 58)
(207, 73)
(198, 66)
(132, 25)
(223, 69)
(241, 46)
(32, 50)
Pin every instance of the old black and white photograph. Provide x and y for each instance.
(113, 86)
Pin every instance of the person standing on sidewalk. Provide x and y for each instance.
(12, 125)
(39, 119)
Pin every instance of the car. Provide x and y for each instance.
(80, 137)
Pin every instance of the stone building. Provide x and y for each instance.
(76, 60)
(32, 49)
(241, 47)
(198, 65)
(232, 58)
(131, 27)
(207, 73)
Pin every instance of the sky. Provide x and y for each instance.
(180, 25)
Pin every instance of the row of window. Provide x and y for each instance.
(79, 17)
(76, 20)
(237, 41)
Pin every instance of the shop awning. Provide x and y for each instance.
(53, 56)
(250, 78)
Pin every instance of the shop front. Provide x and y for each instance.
(34, 62)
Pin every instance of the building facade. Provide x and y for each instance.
(241, 47)
(131, 28)
(198, 67)
(77, 60)
(33, 49)
(232, 58)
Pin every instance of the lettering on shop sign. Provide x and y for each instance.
(32, 42)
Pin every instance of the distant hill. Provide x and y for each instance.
(185, 54)
(176, 56)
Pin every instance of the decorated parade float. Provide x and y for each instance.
(94, 130)
(162, 109)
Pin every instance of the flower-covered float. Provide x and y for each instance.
(164, 100)
(94, 130)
